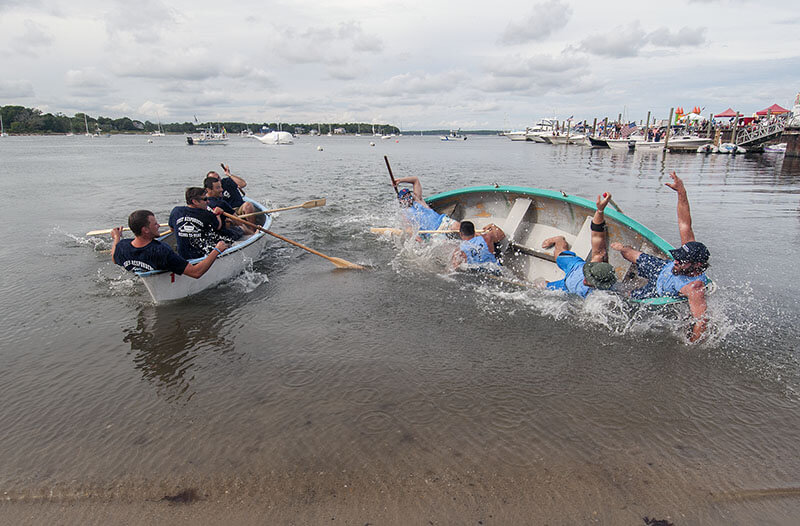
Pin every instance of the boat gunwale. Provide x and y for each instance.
(236, 247)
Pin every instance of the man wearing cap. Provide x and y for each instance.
(582, 277)
(417, 211)
(685, 275)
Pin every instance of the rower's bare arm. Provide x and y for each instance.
(198, 269)
(457, 259)
(493, 234)
(629, 253)
(241, 183)
(695, 292)
(417, 186)
(684, 214)
(599, 243)
(116, 235)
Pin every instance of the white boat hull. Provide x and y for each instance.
(517, 136)
(643, 146)
(619, 144)
(166, 286)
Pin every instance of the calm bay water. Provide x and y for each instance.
(401, 392)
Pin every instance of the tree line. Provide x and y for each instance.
(31, 121)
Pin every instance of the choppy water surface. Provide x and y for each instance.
(294, 378)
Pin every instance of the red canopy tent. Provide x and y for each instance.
(727, 113)
(774, 110)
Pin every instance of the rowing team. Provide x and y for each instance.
(684, 276)
(200, 225)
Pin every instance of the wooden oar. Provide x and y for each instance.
(308, 204)
(391, 175)
(339, 262)
(400, 231)
(108, 230)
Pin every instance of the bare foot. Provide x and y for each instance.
(616, 245)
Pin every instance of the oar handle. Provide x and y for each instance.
(615, 205)
(108, 230)
(391, 175)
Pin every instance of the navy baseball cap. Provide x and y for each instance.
(691, 252)
(404, 193)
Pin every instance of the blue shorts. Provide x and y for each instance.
(567, 260)
(649, 267)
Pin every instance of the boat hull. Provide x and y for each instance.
(165, 286)
(528, 216)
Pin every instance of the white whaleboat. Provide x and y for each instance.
(528, 216)
(164, 285)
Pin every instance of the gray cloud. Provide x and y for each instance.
(420, 83)
(86, 78)
(685, 36)
(32, 40)
(535, 74)
(622, 42)
(628, 41)
(11, 89)
(144, 20)
(545, 19)
(330, 45)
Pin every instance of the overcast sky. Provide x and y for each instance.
(420, 64)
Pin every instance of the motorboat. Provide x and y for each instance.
(687, 143)
(164, 285)
(528, 216)
(208, 137)
(454, 135)
(518, 135)
(775, 148)
(733, 149)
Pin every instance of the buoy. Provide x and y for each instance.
(397, 141)
(372, 144)
(150, 140)
(319, 148)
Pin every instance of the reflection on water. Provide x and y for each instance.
(168, 343)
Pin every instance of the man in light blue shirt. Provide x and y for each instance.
(685, 275)
(582, 277)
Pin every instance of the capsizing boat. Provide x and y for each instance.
(528, 216)
(164, 285)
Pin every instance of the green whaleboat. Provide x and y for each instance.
(528, 216)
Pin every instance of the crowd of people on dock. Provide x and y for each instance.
(203, 229)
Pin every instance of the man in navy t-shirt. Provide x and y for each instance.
(232, 193)
(196, 229)
(145, 253)
(231, 229)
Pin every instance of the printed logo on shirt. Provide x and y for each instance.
(133, 264)
(189, 227)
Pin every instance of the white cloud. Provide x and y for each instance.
(545, 19)
(86, 78)
(624, 42)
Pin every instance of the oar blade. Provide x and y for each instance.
(343, 263)
(98, 232)
(314, 203)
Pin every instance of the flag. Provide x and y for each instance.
(195, 118)
(628, 129)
